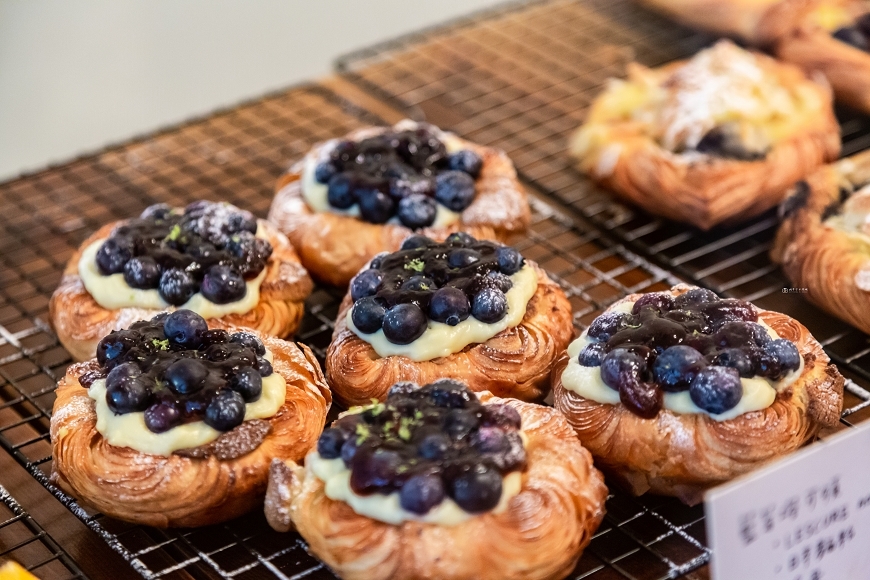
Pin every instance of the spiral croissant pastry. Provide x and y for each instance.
(177, 490)
(514, 363)
(540, 535)
(333, 247)
(80, 322)
(743, 19)
(683, 455)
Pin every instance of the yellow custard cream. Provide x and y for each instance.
(758, 392)
(441, 339)
(129, 430)
(386, 508)
(112, 292)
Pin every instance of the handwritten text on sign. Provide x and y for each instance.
(806, 517)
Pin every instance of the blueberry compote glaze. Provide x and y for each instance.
(434, 454)
(411, 174)
(432, 299)
(208, 248)
(172, 383)
(690, 353)
(857, 34)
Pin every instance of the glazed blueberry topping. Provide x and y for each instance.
(178, 371)
(425, 280)
(428, 443)
(724, 141)
(207, 247)
(854, 35)
(695, 342)
(399, 173)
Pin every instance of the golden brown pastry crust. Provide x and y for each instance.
(831, 263)
(80, 323)
(684, 455)
(178, 491)
(711, 190)
(743, 19)
(514, 363)
(540, 536)
(334, 247)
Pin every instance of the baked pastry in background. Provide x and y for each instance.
(676, 392)
(823, 244)
(210, 257)
(715, 139)
(352, 198)
(438, 482)
(471, 310)
(175, 424)
(747, 20)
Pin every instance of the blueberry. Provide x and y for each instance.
(115, 345)
(467, 161)
(367, 314)
(375, 206)
(162, 416)
(343, 151)
(142, 272)
(462, 257)
(591, 355)
(501, 415)
(499, 280)
(241, 221)
(340, 191)
(454, 189)
(852, 36)
(739, 333)
(176, 286)
(736, 359)
(122, 372)
(449, 393)
(403, 388)
(421, 493)
(416, 241)
(490, 440)
(605, 326)
(659, 301)
(225, 411)
(264, 367)
(676, 367)
(862, 23)
(348, 451)
(449, 305)
(324, 171)
(156, 212)
(418, 284)
(89, 378)
(725, 141)
(408, 185)
(459, 239)
(250, 340)
(184, 328)
(417, 211)
(128, 394)
(213, 336)
(785, 352)
(113, 254)
(695, 296)
(330, 442)
(376, 262)
(365, 283)
(185, 376)
(239, 245)
(248, 383)
(459, 423)
(716, 389)
(510, 261)
(641, 398)
(621, 366)
(404, 323)
(223, 284)
(489, 305)
(477, 489)
(434, 446)
(373, 471)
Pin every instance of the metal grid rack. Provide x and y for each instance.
(521, 78)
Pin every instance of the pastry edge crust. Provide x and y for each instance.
(514, 363)
(684, 455)
(540, 536)
(334, 247)
(179, 491)
(80, 322)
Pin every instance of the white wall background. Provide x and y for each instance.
(79, 74)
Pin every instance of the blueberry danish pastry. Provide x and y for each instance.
(175, 424)
(714, 139)
(352, 198)
(212, 258)
(676, 392)
(471, 310)
(440, 482)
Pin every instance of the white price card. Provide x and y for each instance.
(805, 517)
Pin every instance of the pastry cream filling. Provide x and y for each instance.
(722, 85)
(112, 292)
(758, 392)
(441, 339)
(386, 508)
(129, 430)
(854, 214)
(315, 193)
